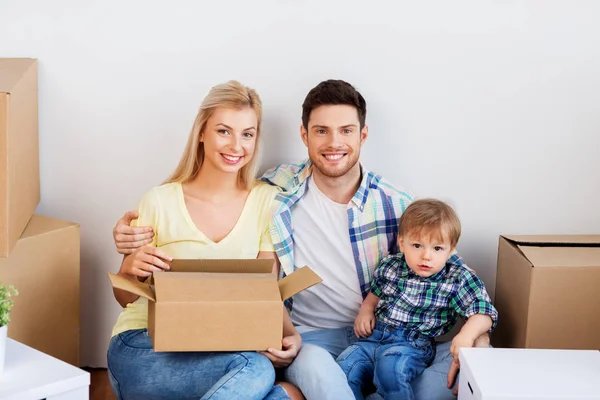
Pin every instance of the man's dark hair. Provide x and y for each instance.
(334, 92)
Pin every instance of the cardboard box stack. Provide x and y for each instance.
(38, 255)
(547, 292)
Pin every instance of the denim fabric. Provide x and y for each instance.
(136, 372)
(390, 359)
(314, 371)
(317, 375)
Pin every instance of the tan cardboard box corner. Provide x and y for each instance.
(548, 292)
(19, 148)
(217, 305)
(44, 268)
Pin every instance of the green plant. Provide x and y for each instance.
(6, 303)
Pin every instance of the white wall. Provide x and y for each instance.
(493, 106)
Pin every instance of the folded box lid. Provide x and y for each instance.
(219, 280)
(559, 250)
(11, 72)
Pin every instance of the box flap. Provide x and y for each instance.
(215, 287)
(139, 288)
(555, 240)
(254, 265)
(561, 256)
(12, 70)
(559, 250)
(41, 224)
(297, 281)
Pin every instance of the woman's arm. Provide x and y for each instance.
(291, 341)
(138, 266)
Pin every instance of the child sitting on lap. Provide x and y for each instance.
(416, 296)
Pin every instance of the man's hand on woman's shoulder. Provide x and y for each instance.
(129, 238)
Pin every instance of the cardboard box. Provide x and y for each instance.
(217, 305)
(19, 149)
(548, 292)
(44, 267)
(528, 374)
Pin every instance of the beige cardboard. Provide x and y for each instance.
(19, 149)
(547, 292)
(217, 305)
(44, 267)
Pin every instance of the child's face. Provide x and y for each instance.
(426, 255)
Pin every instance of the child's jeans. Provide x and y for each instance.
(390, 358)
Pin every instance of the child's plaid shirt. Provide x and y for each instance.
(430, 305)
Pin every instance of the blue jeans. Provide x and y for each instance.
(390, 358)
(137, 372)
(319, 377)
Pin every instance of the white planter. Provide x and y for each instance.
(3, 331)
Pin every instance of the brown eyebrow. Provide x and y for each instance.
(230, 128)
(326, 127)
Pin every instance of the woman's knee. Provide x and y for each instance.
(258, 365)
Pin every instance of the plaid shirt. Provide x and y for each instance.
(373, 216)
(430, 305)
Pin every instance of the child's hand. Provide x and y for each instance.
(461, 340)
(364, 323)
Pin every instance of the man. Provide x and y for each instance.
(341, 220)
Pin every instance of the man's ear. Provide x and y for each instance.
(304, 135)
(364, 133)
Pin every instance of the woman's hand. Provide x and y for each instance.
(282, 358)
(144, 261)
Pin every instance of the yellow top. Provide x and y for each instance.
(163, 208)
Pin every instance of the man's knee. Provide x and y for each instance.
(310, 359)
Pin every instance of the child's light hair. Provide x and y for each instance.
(231, 94)
(430, 218)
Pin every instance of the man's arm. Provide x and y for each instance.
(129, 238)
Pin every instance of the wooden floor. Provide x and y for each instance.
(100, 387)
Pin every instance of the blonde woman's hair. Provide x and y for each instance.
(231, 94)
(430, 217)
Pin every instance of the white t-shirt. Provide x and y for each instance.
(322, 241)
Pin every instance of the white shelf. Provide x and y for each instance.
(32, 375)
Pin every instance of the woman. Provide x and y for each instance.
(210, 207)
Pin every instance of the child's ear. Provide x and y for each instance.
(401, 244)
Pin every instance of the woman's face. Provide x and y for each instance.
(229, 138)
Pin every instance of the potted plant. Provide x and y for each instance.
(6, 304)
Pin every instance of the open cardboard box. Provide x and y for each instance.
(217, 305)
(547, 292)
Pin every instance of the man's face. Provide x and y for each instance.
(334, 139)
